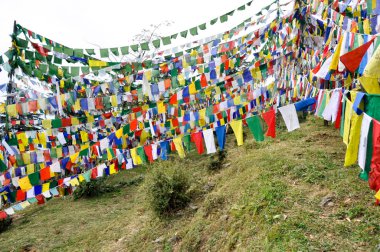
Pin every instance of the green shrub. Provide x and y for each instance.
(5, 223)
(217, 161)
(167, 189)
(92, 189)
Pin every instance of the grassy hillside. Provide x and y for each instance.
(290, 193)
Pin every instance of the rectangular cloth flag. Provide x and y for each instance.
(237, 127)
(290, 117)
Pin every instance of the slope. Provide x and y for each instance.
(289, 193)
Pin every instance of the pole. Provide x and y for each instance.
(10, 99)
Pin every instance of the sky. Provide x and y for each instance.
(112, 23)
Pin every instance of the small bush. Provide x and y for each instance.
(217, 161)
(92, 189)
(5, 223)
(167, 190)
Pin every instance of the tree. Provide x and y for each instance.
(147, 35)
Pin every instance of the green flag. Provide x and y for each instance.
(3, 166)
(183, 34)
(115, 51)
(194, 31)
(223, 18)
(186, 142)
(141, 153)
(104, 53)
(255, 127)
(124, 50)
(156, 43)
(166, 40)
(34, 178)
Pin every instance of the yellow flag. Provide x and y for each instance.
(372, 68)
(181, 79)
(73, 157)
(237, 100)
(46, 124)
(161, 107)
(45, 187)
(144, 136)
(135, 158)
(179, 146)
(97, 63)
(335, 57)
(26, 157)
(366, 26)
(30, 168)
(202, 113)
(90, 119)
(24, 183)
(74, 182)
(59, 152)
(192, 89)
(76, 105)
(353, 144)
(347, 122)
(81, 178)
(12, 111)
(109, 154)
(371, 85)
(74, 120)
(84, 136)
(22, 136)
(114, 100)
(222, 122)
(119, 133)
(112, 169)
(237, 127)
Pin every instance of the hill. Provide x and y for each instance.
(288, 193)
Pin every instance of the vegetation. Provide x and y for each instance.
(5, 223)
(217, 161)
(291, 193)
(91, 189)
(167, 189)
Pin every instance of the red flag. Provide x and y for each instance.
(40, 199)
(203, 80)
(45, 173)
(148, 152)
(339, 115)
(198, 140)
(94, 173)
(40, 49)
(270, 119)
(20, 195)
(3, 215)
(352, 59)
(173, 99)
(374, 175)
(133, 125)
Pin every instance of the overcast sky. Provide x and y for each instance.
(112, 23)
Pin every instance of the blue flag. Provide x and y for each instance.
(221, 136)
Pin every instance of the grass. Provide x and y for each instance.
(268, 198)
